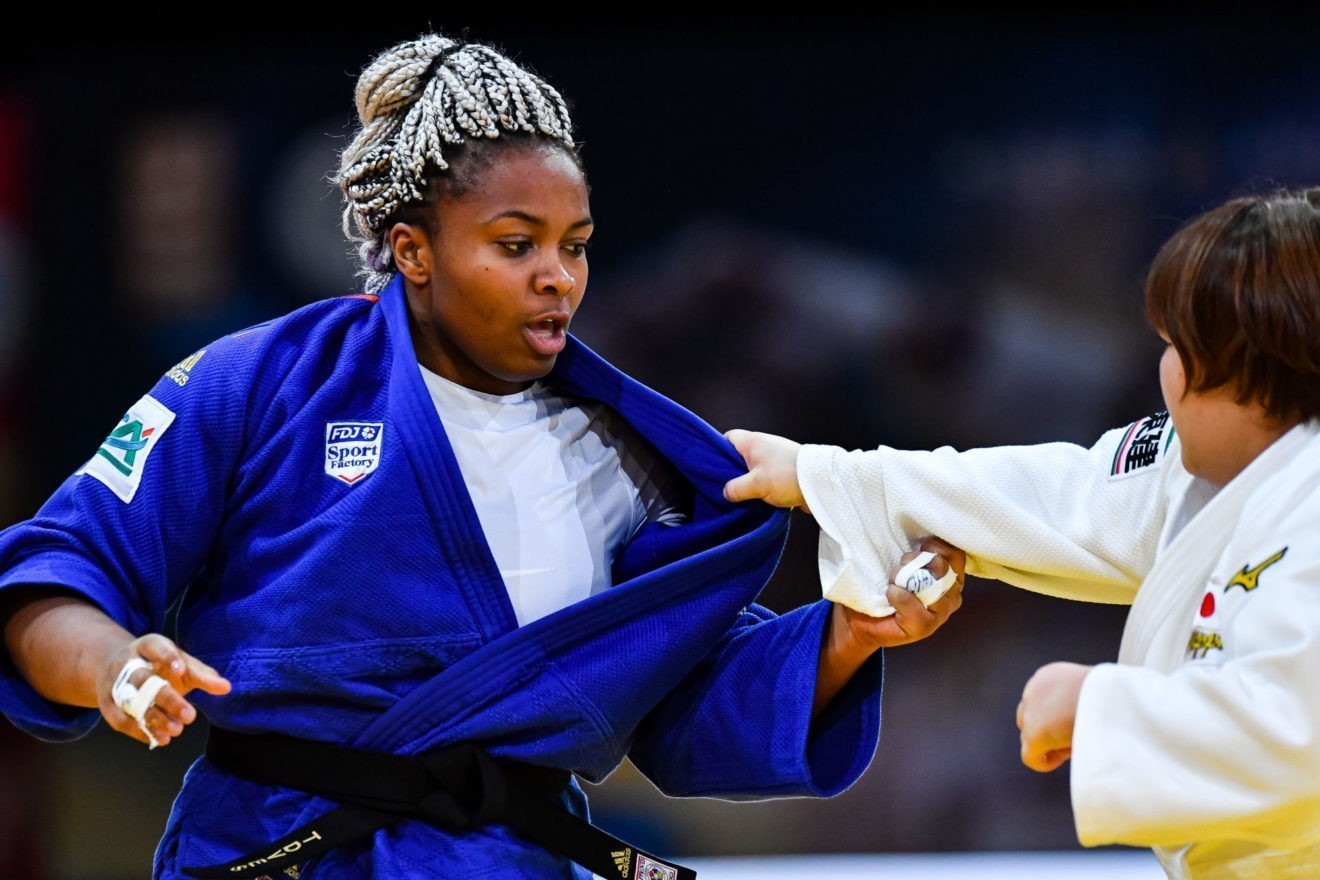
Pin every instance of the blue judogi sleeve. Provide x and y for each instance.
(133, 526)
(138, 523)
(740, 729)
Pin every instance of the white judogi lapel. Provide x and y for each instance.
(1155, 635)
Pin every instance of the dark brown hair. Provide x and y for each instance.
(1237, 292)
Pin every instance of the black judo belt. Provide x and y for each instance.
(455, 788)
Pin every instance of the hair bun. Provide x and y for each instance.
(397, 76)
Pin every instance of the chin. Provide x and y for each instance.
(541, 369)
(525, 377)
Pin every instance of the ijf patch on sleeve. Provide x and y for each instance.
(120, 460)
(352, 449)
(1142, 446)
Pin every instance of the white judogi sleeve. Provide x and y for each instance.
(1056, 518)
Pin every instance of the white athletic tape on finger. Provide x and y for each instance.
(123, 691)
(916, 578)
(134, 700)
(145, 697)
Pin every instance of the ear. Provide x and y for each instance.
(412, 252)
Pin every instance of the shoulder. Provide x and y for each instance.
(1143, 446)
(235, 379)
(318, 324)
(269, 350)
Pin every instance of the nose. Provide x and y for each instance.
(553, 278)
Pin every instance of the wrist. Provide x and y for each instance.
(844, 646)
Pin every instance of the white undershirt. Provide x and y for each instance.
(559, 485)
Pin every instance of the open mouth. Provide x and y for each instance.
(547, 336)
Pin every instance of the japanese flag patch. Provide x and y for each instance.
(1142, 446)
(352, 449)
(122, 457)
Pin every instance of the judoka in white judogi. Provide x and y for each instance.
(1204, 729)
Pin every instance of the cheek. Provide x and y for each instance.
(1172, 381)
(579, 284)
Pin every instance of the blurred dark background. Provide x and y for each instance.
(908, 229)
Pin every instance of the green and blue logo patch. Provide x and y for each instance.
(122, 456)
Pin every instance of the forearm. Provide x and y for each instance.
(840, 658)
(60, 644)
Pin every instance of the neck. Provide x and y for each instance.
(1242, 448)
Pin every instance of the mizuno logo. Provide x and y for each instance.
(1249, 577)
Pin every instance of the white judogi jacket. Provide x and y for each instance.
(1203, 740)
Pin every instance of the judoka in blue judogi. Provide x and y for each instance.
(346, 620)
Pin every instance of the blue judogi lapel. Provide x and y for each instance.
(680, 587)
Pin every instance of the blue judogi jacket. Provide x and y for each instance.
(362, 605)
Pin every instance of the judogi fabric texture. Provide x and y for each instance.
(1203, 739)
(292, 489)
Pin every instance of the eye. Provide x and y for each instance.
(517, 247)
(577, 248)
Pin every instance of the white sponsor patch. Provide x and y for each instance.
(1142, 446)
(352, 449)
(123, 454)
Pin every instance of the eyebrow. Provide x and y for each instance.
(534, 220)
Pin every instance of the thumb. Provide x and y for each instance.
(741, 488)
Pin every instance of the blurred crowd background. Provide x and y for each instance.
(913, 230)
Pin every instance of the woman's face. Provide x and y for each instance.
(504, 270)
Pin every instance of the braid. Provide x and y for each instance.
(417, 101)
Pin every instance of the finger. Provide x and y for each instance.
(950, 602)
(203, 677)
(952, 555)
(1044, 762)
(171, 704)
(909, 614)
(903, 560)
(162, 654)
(740, 439)
(741, 488)
(1034, 756)
(162, 724)
(880, 632)
(904, 602)
(129, 728)
(121, 722)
